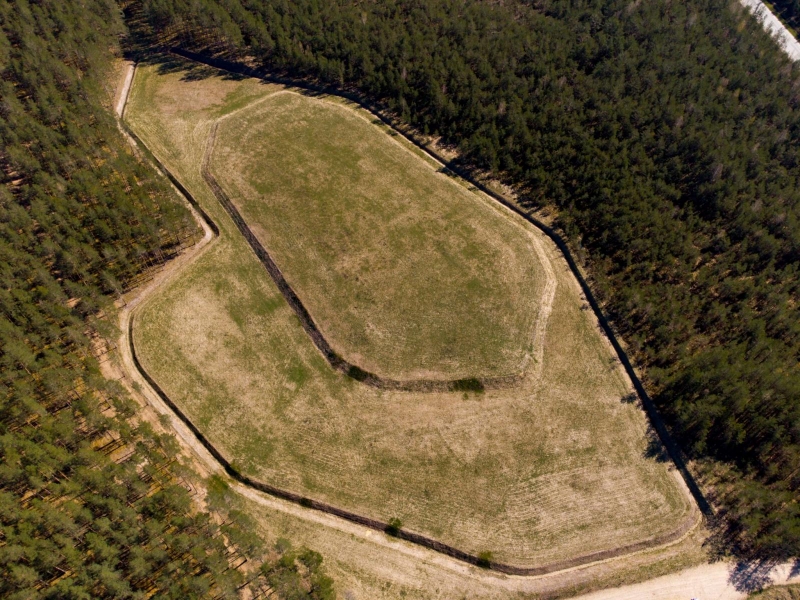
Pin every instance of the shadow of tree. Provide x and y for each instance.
(655, 447)
(795, 570)
(191, 71)
(311, 93)
(751, 576)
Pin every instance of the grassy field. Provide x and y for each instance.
(554, 468)
(408, 274)
(791, 592)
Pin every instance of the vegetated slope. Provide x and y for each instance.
(92, 503)
(407, 273)
(558, 466)
(666, 135)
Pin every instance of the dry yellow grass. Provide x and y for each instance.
(407, 273)
(372, 566)
(552, 469)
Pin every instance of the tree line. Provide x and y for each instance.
(789, 12)
(93, 503)
(666, 136)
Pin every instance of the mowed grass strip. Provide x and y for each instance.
(406, 273)
(554, 469)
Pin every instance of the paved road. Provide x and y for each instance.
(774, 26)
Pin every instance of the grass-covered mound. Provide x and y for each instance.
(407, 273)
(550, 470)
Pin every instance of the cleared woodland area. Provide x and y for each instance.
(558, 466)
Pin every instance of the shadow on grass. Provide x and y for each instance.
(655, 447)
(655, 450)
(795, 571)
(167, 63)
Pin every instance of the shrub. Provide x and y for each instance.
(357, 373)
(393, 527)
(471, 384)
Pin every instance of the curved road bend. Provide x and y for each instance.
(775, 27)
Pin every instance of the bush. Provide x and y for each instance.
(357, 373)
(393, 527)
(471, 384)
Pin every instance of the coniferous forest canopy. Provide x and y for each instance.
(666, 134)
(92, 501)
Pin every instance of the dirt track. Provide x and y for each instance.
(334, 360)
(717, 581)
(122, 100)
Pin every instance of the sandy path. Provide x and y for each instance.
(127, 312)
(775, 27)
(122, 98)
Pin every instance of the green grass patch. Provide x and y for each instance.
(407, 274)
(485, 559)
(393, 527)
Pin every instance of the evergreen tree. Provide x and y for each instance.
(92, 504)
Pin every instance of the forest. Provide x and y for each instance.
(93, 501)
(664, 135)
